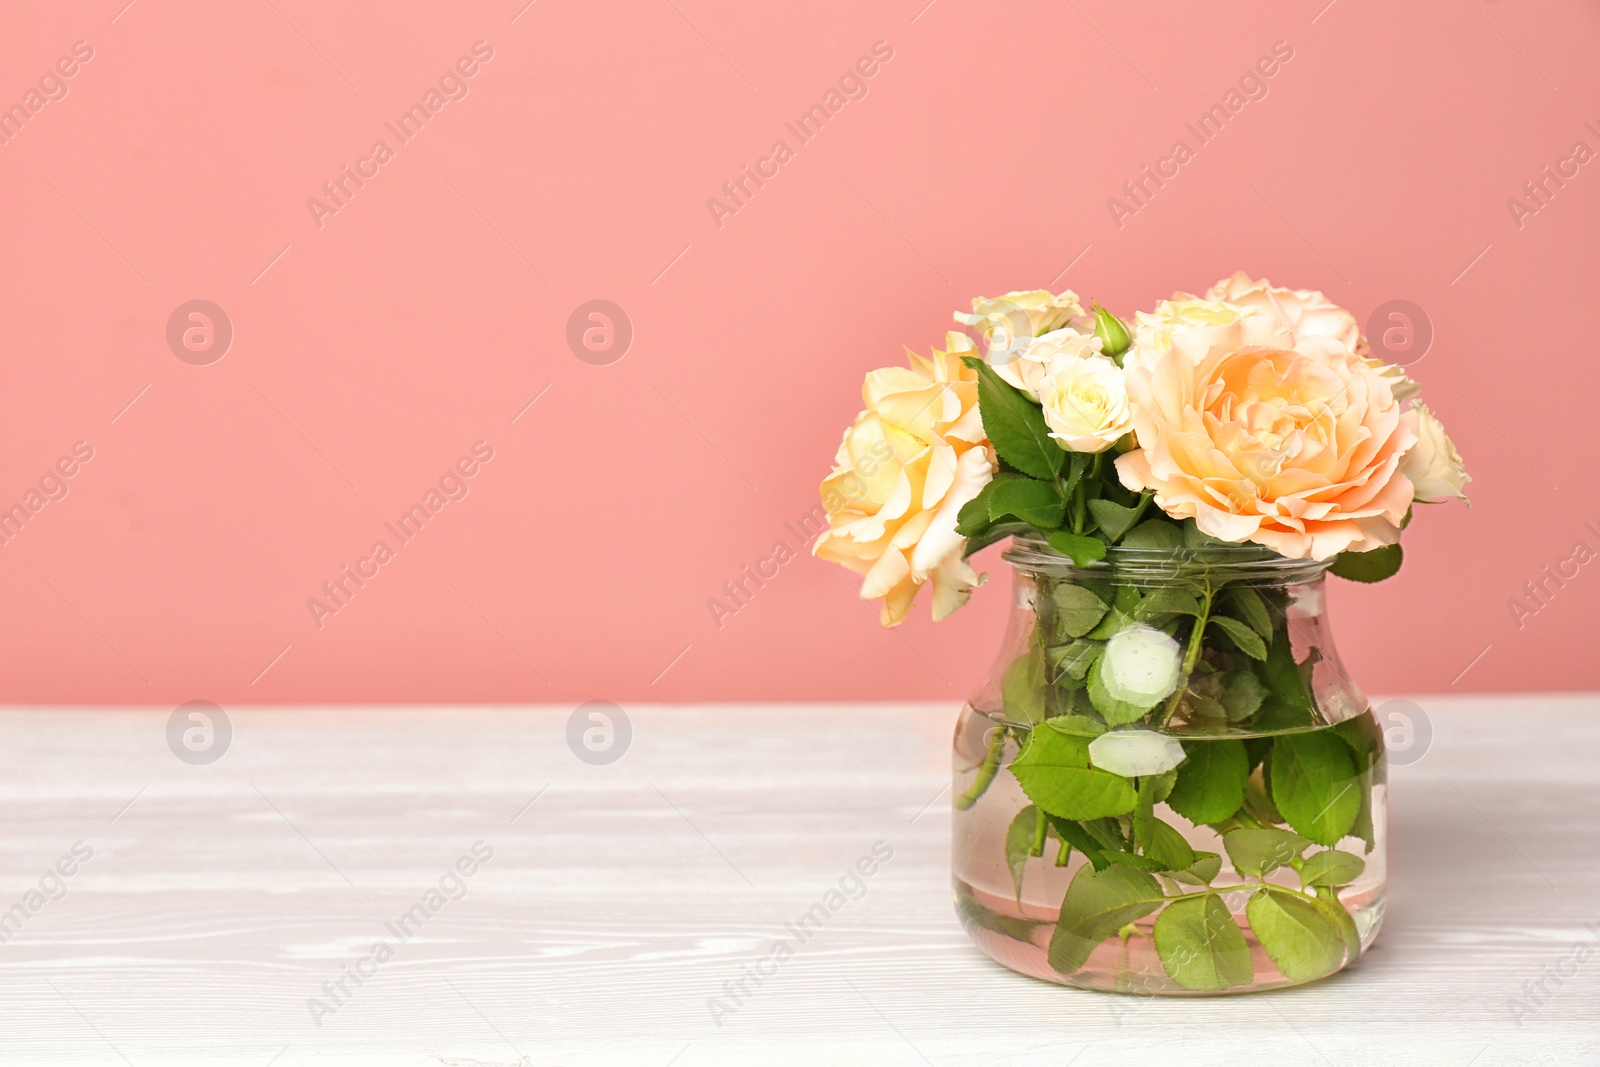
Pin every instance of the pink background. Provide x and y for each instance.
(372, 352)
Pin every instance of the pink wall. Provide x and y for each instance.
(372, 350)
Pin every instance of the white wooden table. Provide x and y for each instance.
(219, 898)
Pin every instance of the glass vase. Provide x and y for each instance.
(1169, 785)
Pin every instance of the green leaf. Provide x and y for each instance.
(1299, 937)
(1080, 548)
(974, 518)
(1331, 868)
(1144, 816)
(1077, 609)
(1023, 688)
(1076, 726)
(1211, 781)
(1257, 853)
(1054, 772)
(1252, 609)
(1200, 945)
(1329, 905)
(1256, 801)
(1114, 622)
(1137, 862)
(1203, 703)
(1019, 844)
(1282, 674)
(1097, 905)
(1242, 693)
(1076, 836)
(1015, 424)
(1168, 847)
(1114, 519)
(1075, 659)
(1125, 603)
(1366, 743)
(1315, 785)
(1364, 738)
(1206, 866)
(1248, 640)
(1154, 533)
(997, 532)
(1034, 502)
(1168, 600)
(1372, 566)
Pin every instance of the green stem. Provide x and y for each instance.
(986, 771)
(1191, 655)
(1036, 847)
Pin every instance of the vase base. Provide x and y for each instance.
(1130, 965)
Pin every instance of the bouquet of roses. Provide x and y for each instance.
(1174, 490)
(1252, 414)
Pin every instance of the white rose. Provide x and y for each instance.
(1085, 403)
(1433, 464)
(1026, 361)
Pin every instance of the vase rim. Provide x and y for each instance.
(1034, 554)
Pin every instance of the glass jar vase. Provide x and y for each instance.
(1169, 784)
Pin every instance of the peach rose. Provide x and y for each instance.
(905, 468)
(1308, 313)
(1434, 466)
(1295, 446)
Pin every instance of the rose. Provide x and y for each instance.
(904, 470)
(1010, 324)
(1433, 465)
(1025, 313)
(1295, 446)
(1153, 331)
(1085, 403)
(1308, 313)
(1026, 364)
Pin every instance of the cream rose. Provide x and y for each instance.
(1085, 403)
(1011, 325)
(1027, 364)
(1024, 313)
(1153, 330)
(1297, 447)
(1433, 464)
(905, 468)
(1308, 313)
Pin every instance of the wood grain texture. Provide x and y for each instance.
(618, 903)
